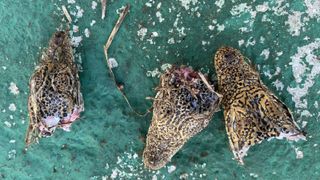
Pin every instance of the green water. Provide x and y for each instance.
(108, 140)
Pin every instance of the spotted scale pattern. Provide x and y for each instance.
(55, 99)
(251, 112)
(183, 106)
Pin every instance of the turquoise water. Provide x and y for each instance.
(279, 37)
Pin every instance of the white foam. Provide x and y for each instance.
(254, 175)
(187, 3)
(154, 177)
(114, 174)
(220, 28)
(79, 12)
(304, 64)
(219, 3)
(154, 34)
(304, 124)
(184, 176)
(154, 73)
(294, 22)
(171, 41)
(75, 28)
(94, 5)
(92, 22)
(12, 154)
(280, 7)
(113, 62)
(165, 66)
(299, 154)
(76, 40)
(12, 107)
(87, 32)
(8, 124)
(13, 88)
(313, 9)
(159, 5)
(262, 7)
(278, 84)
(279, 53)
(239, 8)
(306, 113)
(159, 16)
(240, 42)
(135, 156)
(148, 4)
(251, 42)
(71, 1)
(265, 53)
(142, 33)
(171, 169)
(262, 39)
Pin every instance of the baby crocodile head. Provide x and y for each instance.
(184, 105)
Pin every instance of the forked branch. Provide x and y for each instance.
(106, 47)
(66, 13)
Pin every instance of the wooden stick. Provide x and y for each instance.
(106, 47)
(103, 8)
(210, 88)
(117, 26)
(66, 13)
(205, 81)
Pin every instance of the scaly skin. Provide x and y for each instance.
(251, 112)
(183, 107)
(55, 99)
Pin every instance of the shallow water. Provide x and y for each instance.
(281, 39)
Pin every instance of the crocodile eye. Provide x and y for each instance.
(60, 34)
(229, 57)
(58, 38)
